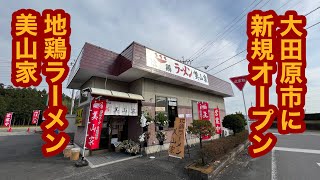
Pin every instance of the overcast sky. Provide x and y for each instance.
(176, 28)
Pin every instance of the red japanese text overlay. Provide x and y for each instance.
(262, 55)
(98, 108)
(56, 54)
(291, 80)
(26, 54)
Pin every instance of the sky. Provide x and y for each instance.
(177, 28)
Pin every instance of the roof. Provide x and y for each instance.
(117, 94)
(131, 65)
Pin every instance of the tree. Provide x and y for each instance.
(242, 116)
(234, 122)
(3, 107)
(201, 128)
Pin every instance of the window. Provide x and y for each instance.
(195, 114)
(169, 107)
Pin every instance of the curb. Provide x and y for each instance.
(234, 153)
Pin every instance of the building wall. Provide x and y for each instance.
(184, 96)
(110, 84)
(149, 89)
(136, 86)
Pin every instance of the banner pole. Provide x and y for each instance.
(245, 108)
(87, 126)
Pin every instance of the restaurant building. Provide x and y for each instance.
(138, 80)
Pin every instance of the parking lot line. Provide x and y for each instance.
(312, 151)
(273, 166)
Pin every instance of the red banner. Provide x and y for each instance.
(95, 123)
(217, 120)
(203, 111)
(7, 119)
(35, 116)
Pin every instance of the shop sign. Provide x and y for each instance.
(96, 117)
(35, 116)
(121, 108)
(160, 109)
(171, 66)
(217, 120)
(176, 148)
(79, 117)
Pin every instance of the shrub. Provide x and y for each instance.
(234, 122)
(200, 128)
(217, 148)
(161, 119)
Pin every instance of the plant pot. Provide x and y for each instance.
(145, 129)
(161, 142)
(160, 127)
(145, 144)
(133, 154)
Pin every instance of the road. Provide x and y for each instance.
(21, 158)
(295, 157)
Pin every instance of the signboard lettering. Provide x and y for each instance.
(239, 81)
(171, 66)
(96, 117)
(176, 148)
(35, 116)
(217, 120)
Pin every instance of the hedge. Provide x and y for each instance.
(215, 149)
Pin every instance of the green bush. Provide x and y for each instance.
(234, 122)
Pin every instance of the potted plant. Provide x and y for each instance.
(143, 138)
(132, 148)
(161, 136)
(161, 119)
(145, 121)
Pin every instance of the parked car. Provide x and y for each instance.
(226, 132)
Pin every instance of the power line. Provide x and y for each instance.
(227, 31)
(230, 42)
(209, 42)
(313, 25)
(230, 66)
(246, 49)
(226, 60)
(312, 11)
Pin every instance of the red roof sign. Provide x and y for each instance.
(239, 81)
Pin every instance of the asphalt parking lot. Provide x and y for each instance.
(295, 157)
